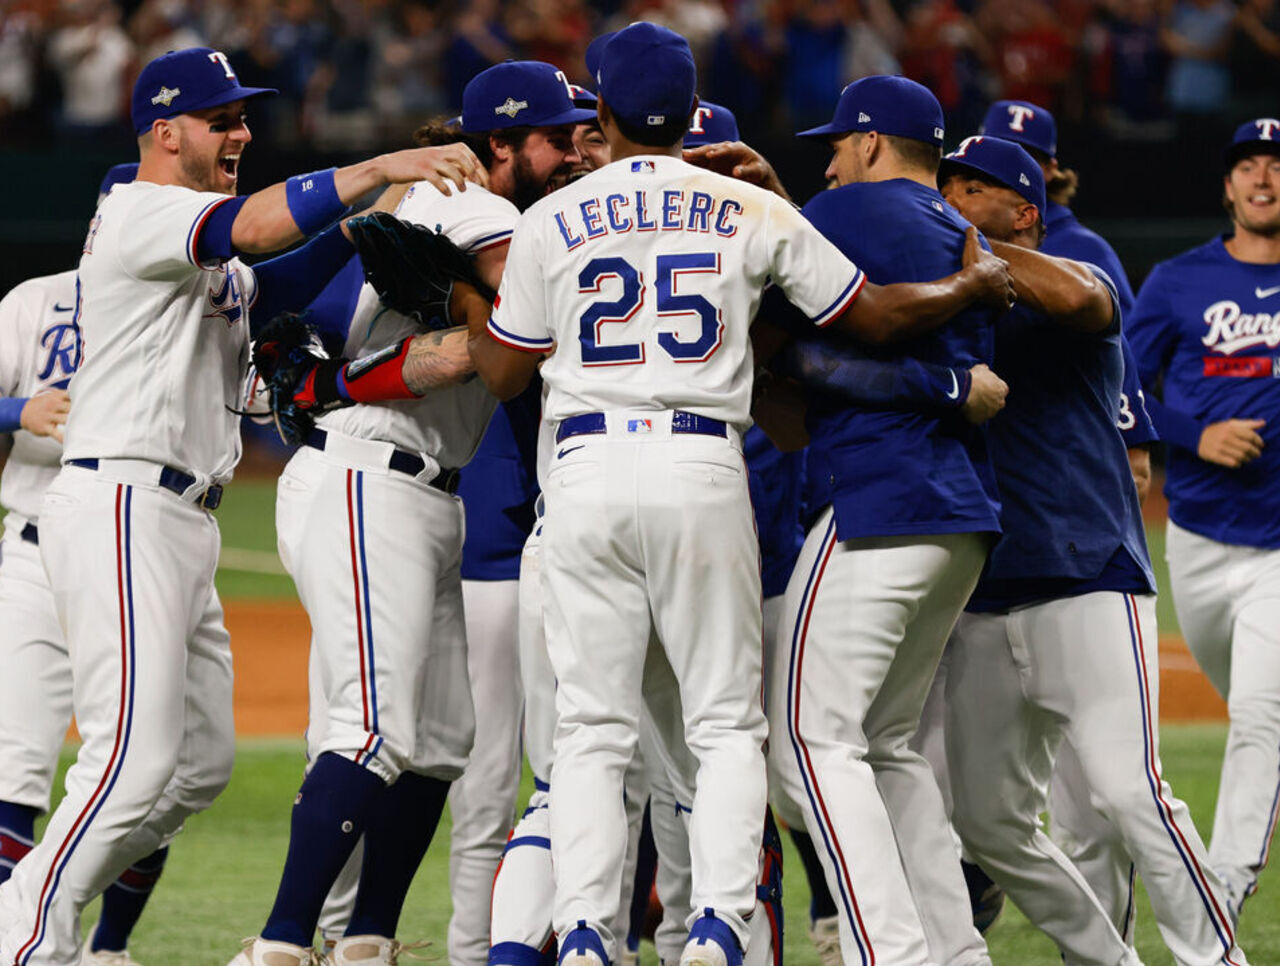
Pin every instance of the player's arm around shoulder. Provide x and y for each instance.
(1068, 292)
(892, 313)
(278, 216)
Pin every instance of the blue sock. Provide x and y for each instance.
(124, 901)
(396, 839)
(17, 835)
(329, 816)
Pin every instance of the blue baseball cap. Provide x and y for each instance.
(888, 105)
(595, 50)
(519, 93)
(582, 98)
(711, 124)
(646, 75)
(1259, 136)
(183, 81)
(117, 174)
(1002, 161)
(1028, 124)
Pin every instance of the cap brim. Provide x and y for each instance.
(226, 97)
(576, 116)
(822, 131)
(1243, 149)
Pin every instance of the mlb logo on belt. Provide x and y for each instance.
(639, 425)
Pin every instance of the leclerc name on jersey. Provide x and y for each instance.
(669, 210)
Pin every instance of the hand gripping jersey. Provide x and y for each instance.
(663, 264)
(165, 338)
(892, 472)
(39, 350)
(1211, 325)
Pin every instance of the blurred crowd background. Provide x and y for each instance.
(1145, 91)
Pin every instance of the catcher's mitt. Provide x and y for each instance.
(293, 364)
(412, 268)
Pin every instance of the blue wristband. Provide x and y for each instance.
(11, 413)
(313, 200)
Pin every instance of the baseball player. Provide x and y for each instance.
(899, 540)
(649, 394)
(1207, 321)
(1084, 834)
(126, 535)
(395, 719)
(42, 350)
(1057, 637)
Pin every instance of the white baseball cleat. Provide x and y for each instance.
(107, 957)
(266, 952)
(372, 951)
(824, 933)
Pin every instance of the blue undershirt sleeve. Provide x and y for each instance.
(901, 383)
(289, 282)
(11, 413)
(214, 241)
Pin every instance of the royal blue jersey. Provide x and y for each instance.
(891, 472)
(1210, 326)
(1066, 238)
(776, 480)
(498, 489)
(1072, 523)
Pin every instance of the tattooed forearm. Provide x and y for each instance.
(437, 359)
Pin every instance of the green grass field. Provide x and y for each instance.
(224, 869)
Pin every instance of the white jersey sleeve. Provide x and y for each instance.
(523, 285)
(474, 220)
(815, 275)
(160, 238)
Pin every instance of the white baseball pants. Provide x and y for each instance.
(35, 688)
(1228, 603)
(641, 534)
(1086, 668)
(375, 556)
(483, 800)
(131, 566)
(867, 621)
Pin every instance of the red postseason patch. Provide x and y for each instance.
(1241, 367)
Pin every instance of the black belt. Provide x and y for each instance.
(31, 534)
(411, 464)
(173, 480)
(593, 424)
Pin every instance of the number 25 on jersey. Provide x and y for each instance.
(670, 304)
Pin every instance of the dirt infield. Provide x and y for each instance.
(269, 639)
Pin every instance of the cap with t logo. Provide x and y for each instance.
(183, 81)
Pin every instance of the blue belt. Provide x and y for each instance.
(401, 460)
(31, 534)
(174, 480)
(593, 424)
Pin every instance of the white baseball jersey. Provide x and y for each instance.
(662, 265)
(166, 341)
(448, 423)
(39, 350)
